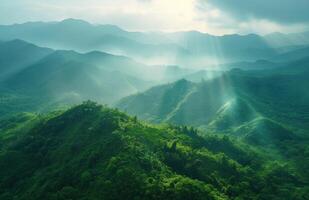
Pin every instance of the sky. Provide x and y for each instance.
(217, 17)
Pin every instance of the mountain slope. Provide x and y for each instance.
(90, 152)
(16, 55)
(264, 132)
(45, 78)
(69, 73)
(272, 93)
(196, 104)
(267, 109)
(293, 55)
(38, 79)
(233, 113)
(249, 47)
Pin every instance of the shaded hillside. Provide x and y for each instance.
(293, 55)
(92, 152)
(16, 55)
(40, 79)
(35, 78)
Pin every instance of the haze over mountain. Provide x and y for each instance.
(190, 48)
(15, 55)
(229, 101)
(43, 78)
(214, 105)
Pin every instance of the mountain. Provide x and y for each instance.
(195, 130)
(35, 78)
(293, 55)
(39, 79)
(266, 109)
(263, 132)
(155, 104)
(223, 47)
(256, 65)
(15, 55)
(182, 102)
(67, 74)
(280, 39)
(189, 48)
(93, 152)
(272, 93)
(107, 38)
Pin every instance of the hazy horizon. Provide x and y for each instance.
(211, 16)
(153, 31)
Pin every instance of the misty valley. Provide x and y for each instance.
(91, 112)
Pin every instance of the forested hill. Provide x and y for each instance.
(93, 152)
(230, 100)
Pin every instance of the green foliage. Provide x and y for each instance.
(93, 152)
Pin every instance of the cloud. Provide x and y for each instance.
(130, 14)
(212, 16)
(255, 16)
(280, 11)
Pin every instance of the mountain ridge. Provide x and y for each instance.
(174, 48)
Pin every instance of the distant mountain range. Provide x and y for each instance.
(181, 48)
(60, 77)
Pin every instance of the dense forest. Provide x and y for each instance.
(93, 152)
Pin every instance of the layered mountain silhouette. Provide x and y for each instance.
(47, 76)
(15, 55)
(34, 76)
(185, 48)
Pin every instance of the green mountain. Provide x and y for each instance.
(59, 76)
(62, 73)
(271, 93)
(40, 78)
(35, 78)
(266, 109)
(16, 55)
(92, 152)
